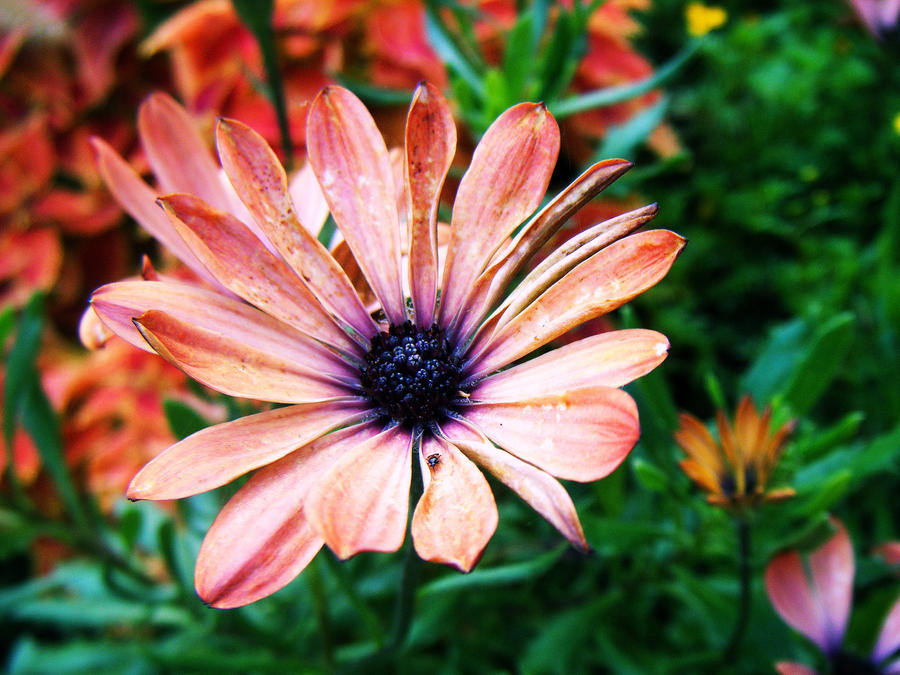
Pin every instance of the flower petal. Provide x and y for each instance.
(793, 598)
(601, 283)
(217, 455)
(504, 183)
(241, 263)
(457, 515)
(312, 209)
(889, 636)
(234, 368)
(581, 435)
(610, 359)
(507, 262)
(140, 202)
(430, 146)
(261, 539)
(695, 439)
(261, 183)
(832, 568)
(180, 159)
(787, 668)
(537, 488)
(117, 304)
(348, 156)
(362, 503)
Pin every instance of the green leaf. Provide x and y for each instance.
(820, 364)
(505, 574)
(612, 95)
(442, 42)
(21, 373)
(812, 446)
(183, 419)
(560, 58)
(518, 58)
(780, 356)
(622, 140)
(649, 476)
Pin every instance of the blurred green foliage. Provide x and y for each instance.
(787, 187)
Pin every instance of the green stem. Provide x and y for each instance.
(320, 607)
(743, 530)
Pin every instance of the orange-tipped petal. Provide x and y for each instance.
(610, 359)
(261, 183)
(234, 368)
(537, 488)
(140, 202)
(889, 635)
(430, 147)
(241, 263)
(603, 282)
(180, 159)
(456, 516)
(261, 539)
(582, 435)
(832, 568)
(117, 304)
(505, 182)
(217, 455)
(362, 503)
(695, 439)
(703, 476)
(348, 156)
(793, 598)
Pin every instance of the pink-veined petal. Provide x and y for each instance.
(140, 202)
(240, 262)
(537, 488)
(505, 182)
(180, 159)
(581, 435)
(610, 359)
(832, 568)
(261, 539)
(217, 455)
(788, 668)
(362, 503)
(457, 515)
(236, 369)
(603, 282)
(889, 636)
(261, 183)
(430, 147)
(790, 593)
(119, 303)
(349, 157)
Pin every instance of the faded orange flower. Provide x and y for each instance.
(734, 470)
(814, 594)
(417, 383)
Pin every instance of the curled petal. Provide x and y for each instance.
(610, 359)
(601, 283)
(261, 183)
(504, 183)
(430, 146)
(456, 516)
(537, 488)
(235, 368)
(581, 435)
(217, 455)
(362, 503)
(348, 156)
(261, 539)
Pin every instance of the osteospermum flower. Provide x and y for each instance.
(735, 470)
(815, 598)
(415, 384)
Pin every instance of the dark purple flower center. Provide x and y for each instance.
(411, 374)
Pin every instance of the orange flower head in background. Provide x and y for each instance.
(814, 594)
(416, 383)
(734, 470)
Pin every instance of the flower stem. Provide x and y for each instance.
(743, 532)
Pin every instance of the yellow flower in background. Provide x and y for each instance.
(734, 471)
(702, 18)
